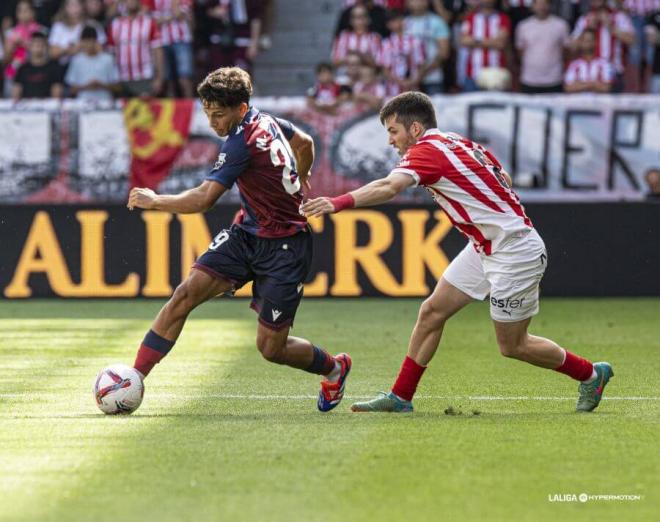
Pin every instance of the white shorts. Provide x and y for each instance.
(511, 276)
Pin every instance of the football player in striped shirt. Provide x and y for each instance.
(505, 257)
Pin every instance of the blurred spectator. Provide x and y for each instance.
(541, 40)
(376, 12)
(652, 178)
(653, 36)
(402, 56)
(7, 12)
(614, 32)
(92, 74)
(135, 40)
(17, 40)
(174, 18)
(2, 56)
(517, 10)
(589, 73)
(444, 8)
(39, 77)
(352, 70)
(64, 36)
(326, 95)
(485, 35)
(359, 39)
(369, 91)
(46, 10)
(433, 31)
(95, 11)
(641, 50)
(235, 32)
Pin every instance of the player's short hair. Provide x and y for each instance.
(409, 107)
(227, 87)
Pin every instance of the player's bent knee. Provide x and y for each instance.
(431, 316)
(184, 298)
(512, 350)
(271, 349)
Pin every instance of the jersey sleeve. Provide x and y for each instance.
(288, 128)
(419, 163)
(233, 160)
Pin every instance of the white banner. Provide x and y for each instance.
(557, 148)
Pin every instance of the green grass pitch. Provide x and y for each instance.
(223, 435)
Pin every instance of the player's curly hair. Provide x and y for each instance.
(410, 107)
(227, 87)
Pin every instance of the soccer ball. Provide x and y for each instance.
(118, 389)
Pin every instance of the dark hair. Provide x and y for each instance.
(89, 33)
(409, 107)
(39, 34)
(395, 14)
(227, 87)
(324, 66)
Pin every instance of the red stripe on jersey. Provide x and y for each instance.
(457, 177)
(481, 27)
(133, 40)
(469, 230)
(489, 179)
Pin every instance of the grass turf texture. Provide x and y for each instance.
(207, 444)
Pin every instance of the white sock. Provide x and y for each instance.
(334, 375)
(592, 378)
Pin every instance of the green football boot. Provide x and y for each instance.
(592, 393)
(387, 402)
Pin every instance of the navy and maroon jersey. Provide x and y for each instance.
(257, 156)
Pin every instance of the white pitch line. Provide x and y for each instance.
(350, 397)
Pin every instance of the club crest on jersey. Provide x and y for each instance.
(221, 160)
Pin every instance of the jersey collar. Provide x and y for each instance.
(249, 116)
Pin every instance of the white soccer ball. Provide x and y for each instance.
(118, 389)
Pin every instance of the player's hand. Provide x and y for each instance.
(317, 207)
(141, 198)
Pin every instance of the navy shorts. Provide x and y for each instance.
(278, 268)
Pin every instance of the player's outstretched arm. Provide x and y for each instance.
(198, 199)
(374, 193)
(302, 145)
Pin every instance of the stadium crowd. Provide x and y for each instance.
(98, 49)
(385, 47)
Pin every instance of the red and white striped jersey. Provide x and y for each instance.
(174, 31)
(133, 40)
(402, 55)
(367, 43)
(466, 181)
(594, 70)
(607, 45)
(480, 27)
(642, 7)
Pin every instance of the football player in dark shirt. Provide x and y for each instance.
(269, 243)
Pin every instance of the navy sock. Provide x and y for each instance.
(151, 351)
(322, 364)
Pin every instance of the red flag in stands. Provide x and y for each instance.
(157, 131)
